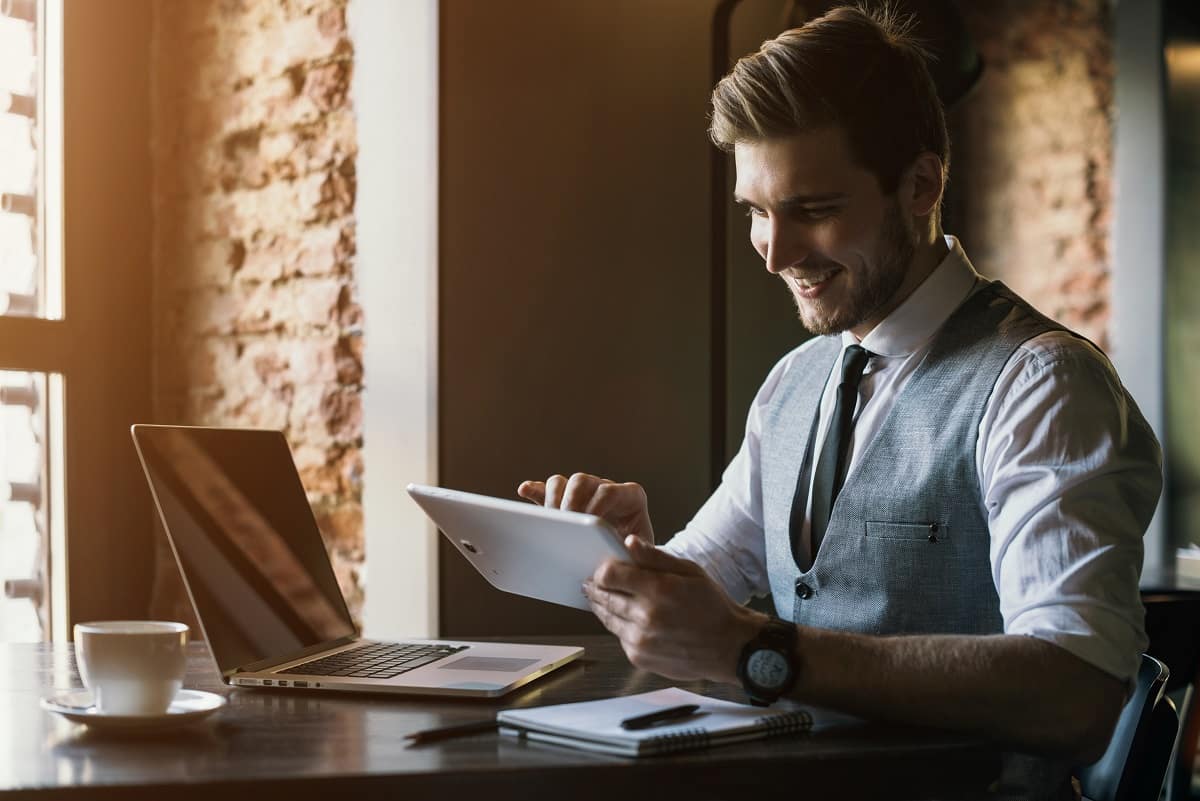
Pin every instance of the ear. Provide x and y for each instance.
(922, 184)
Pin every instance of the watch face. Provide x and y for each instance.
(768, 669)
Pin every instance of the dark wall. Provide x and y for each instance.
(574, 248)
(761, 323)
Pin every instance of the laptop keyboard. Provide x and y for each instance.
(381, 660)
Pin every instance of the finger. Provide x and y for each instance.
(610, 621)
(619, 576)
(624, 629)
(533, 491)
(640, 653)
(606, 498)
(615, 604)
(554, 491)
(612, 500)
(647, 556)
(579, 491)
(615, 575)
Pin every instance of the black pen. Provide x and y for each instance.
(660, 716)
(450, 732)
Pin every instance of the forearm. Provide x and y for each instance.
(1018, 690)
(1026, 693)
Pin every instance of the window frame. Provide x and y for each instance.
(102, 563)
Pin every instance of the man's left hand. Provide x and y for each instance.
(670, 617)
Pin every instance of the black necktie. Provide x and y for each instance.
(831, 465)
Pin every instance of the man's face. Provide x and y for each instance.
(822, 224)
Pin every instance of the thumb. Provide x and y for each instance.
(646, 555)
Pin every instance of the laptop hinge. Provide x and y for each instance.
(312, 650)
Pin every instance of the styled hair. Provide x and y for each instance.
(857, 69)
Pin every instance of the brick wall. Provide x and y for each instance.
(1031, 180)
(257, 324)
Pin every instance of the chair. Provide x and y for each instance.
(1135, 764)
(1173, 626)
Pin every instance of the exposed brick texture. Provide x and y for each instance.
(254, 144)
(1031, 176)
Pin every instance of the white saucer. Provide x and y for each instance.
(188, 707)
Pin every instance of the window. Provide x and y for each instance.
(30, 300)
(26, 434)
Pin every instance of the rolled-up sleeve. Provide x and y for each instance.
(1071, 475)
(725, 537)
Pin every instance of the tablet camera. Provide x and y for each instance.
(470, 548)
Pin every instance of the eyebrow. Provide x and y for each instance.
(798, 200)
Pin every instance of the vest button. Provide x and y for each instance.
(803, 590)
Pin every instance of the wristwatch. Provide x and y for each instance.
(767, 666)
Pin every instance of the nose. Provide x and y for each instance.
(780, 246)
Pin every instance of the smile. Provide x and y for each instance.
(815, 280)
(811, 286)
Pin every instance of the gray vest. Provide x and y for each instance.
(907, 547)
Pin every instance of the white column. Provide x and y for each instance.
(396, 103)
(1139, 224)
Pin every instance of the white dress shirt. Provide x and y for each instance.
(1067, 491)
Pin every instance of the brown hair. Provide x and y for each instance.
(853, 68)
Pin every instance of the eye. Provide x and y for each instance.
(751, 211)
(820, 212)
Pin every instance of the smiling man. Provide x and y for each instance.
(945, 493)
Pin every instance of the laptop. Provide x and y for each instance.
(263, 588)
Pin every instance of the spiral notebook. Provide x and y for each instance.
(596, 725)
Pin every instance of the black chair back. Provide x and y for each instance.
(1135, 764)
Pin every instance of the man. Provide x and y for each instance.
(945, 493)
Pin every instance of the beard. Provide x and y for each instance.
(876, 286)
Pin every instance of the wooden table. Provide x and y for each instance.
(275, 744)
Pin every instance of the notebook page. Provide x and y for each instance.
(600, 720)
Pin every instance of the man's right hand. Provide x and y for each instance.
(624, 506)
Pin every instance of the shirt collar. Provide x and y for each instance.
(923, 312)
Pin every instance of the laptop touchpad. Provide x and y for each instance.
(497, 663)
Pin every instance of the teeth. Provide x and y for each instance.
(808, 283)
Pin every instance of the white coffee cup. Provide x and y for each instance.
(132, 667)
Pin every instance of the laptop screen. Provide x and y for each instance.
(246, 541)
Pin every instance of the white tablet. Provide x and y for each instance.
(522, 548)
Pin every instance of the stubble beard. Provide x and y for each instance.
(896, 246)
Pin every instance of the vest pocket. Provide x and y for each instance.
(920, 580)
(931, 532)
